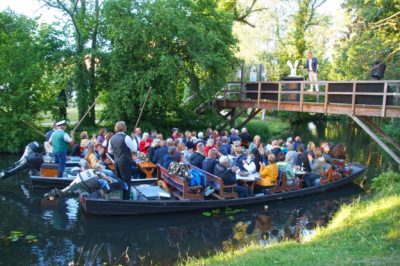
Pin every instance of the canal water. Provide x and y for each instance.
(37, 232)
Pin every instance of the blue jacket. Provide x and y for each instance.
(167, 159)
(197, 159)
(159, 155)
(208, 165)
(314, 64)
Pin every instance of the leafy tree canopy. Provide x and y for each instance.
(29, 60)
(374, 34)
(176, 48)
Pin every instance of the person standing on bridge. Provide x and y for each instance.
(312, 67)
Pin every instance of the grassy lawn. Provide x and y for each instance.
(363, 233)
(271, 127)
(72, 114)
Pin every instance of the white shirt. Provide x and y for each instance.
(136, 139)
(67, 138)
(250, 167)
(128, 141)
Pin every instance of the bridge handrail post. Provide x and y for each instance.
(259, 94)
(302, 95)
(385, 87)
(353, 99)
(279, 95)
(326, 98)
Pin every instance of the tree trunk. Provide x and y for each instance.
(92, 70)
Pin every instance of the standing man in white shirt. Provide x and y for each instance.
(137, 136)
(122, 146)
(312, 67)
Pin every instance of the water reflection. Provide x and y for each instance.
(360, 147)
(64, 234)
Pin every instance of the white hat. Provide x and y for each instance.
(61, 123)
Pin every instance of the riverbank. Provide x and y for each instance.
(271, 127)
(366, 232)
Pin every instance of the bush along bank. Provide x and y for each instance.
(366, 232)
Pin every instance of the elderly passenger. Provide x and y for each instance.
(198, 157)
(318, 165)
(291, 155)
(145, 143)
(228, 176)
(210, 162)
(268, 174)
(255, 144)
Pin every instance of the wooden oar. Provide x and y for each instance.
(141, 111)
(34, 128)
(83, 117)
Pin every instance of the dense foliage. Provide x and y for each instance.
(82, 32)
(374, 34)
(175, 48)
(180, 53)
(29, 61)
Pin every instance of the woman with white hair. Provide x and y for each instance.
(210, 144)
(145, 143)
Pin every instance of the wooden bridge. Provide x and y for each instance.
(357, 99)
(360, 98)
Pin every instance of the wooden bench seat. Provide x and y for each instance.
(329, 176)
(222, 191)
(282, 186)
(340, 165)
(181, 189)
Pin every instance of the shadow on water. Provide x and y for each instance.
(63, 234)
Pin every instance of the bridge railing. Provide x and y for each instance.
(296, 95)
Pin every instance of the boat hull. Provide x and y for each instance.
(43, 182)
(50, 182)
(97, 206)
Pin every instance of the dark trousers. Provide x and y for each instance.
(242, 191)
(61, 159)
(123, 170)
(261, 189)
(309, 179)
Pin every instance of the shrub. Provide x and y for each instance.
(387, 183)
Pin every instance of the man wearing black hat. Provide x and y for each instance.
(60, 141)
(122, 146)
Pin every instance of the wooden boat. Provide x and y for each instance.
(94, 204)
(71, 160)
(47, 182)
(44, 182)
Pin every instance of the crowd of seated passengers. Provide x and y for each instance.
(193, 148)
(309, 158)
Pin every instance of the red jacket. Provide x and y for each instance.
(144, 145)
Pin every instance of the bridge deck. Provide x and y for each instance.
(360, 98)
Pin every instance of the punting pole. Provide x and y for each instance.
(141, 110)
(90, 108)
(35, 129)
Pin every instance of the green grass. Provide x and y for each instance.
(271, 127)
(366, 232)
(72, 114)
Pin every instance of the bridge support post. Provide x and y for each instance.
(375, 137)
(232, 121)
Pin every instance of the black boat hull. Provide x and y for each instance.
(42, 182)
(50, 182)
(97, 206)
